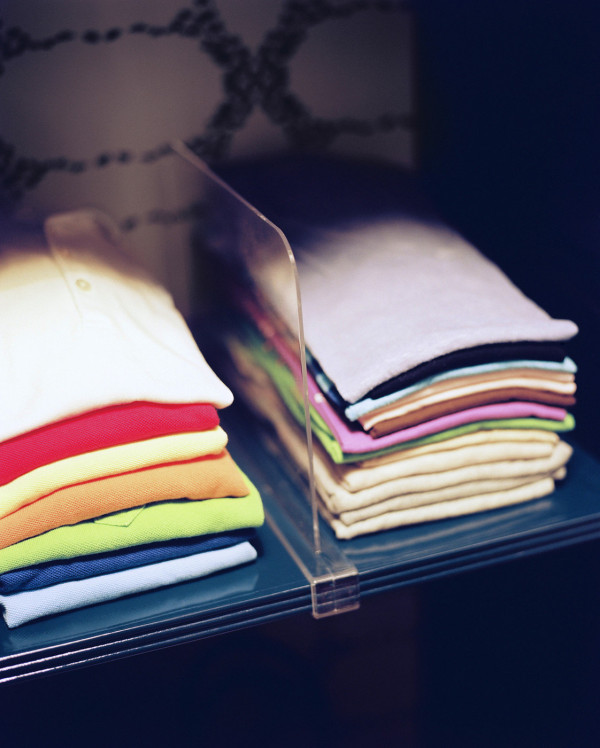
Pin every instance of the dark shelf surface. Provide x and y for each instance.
(274, 587)
(259, 592)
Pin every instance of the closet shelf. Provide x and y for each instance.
(274, 587)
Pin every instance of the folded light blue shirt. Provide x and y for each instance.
(23, 607)
(367, 405)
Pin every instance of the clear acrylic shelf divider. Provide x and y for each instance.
(258, 255)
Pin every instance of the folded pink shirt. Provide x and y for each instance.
(452, 299)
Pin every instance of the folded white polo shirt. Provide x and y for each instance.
(82, 326)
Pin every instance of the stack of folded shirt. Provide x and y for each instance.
(114, 472)
(436, 387)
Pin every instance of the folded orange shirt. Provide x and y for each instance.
(209, 477)
(99, 429)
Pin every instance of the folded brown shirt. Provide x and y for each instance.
(453, 405)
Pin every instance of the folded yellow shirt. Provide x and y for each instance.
(210, 477)
(111, 461)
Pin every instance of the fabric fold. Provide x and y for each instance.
(68, 570)
(548, 370)
(338, 499)
(441, 510)
(23, 607)
(257, 373)
(106, 462)
(151, 523)
(419, 415)
(209, 477)
(481, 488)
(422, 478)
(99, 429)
(523, 382)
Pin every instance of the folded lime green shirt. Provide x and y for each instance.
(148, 524)
(285, 385)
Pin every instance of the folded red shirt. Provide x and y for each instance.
(99, 429)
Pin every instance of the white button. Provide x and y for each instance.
(319, 398)
(83, 284)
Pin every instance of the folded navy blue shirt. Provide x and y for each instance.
(83, 567)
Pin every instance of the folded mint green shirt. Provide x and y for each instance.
(148, 524)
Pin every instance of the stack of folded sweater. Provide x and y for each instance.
(436, 387)
(114, 472)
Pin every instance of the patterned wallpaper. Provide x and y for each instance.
(93, 91)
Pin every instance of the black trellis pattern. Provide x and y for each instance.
(249, 80)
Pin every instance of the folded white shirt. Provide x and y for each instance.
(83, 326)
(526, 456)
(446, 494)
(542, 440)
(442, 509)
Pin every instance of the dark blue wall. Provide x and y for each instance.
(509, 99)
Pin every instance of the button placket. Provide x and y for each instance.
(82, 288)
